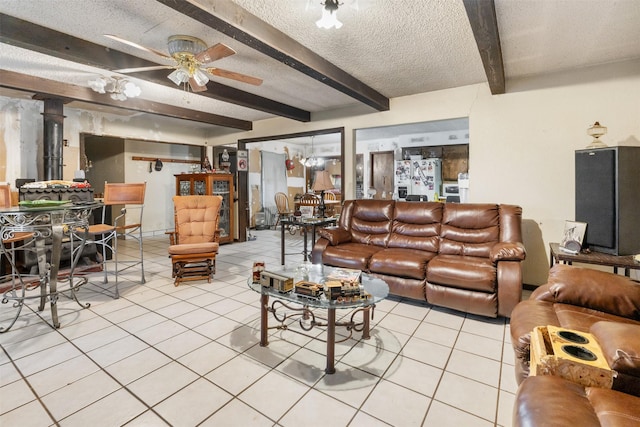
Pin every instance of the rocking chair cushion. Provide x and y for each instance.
(193, 248)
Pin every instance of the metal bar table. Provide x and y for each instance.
(46, 220)
(305, 225)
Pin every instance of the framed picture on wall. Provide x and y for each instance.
(572, 237)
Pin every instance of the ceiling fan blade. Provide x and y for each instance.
(137, 70)
(195, 87)
(136, 45)
(213, 53)
(234, 76)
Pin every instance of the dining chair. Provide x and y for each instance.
(282, 204)
(5, 202)
(126, 225)
(195, 242)
(13, 282)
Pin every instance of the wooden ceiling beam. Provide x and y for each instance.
(482, 17)
(24, 34)
(234, 21)
(42, 87)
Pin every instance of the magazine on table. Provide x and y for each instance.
(345, 274)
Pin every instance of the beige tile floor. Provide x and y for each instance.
(190, 355)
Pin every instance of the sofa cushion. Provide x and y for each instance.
(469, 229)
(463, 272)
(349, 255)
(371, 222)
(401, 262)
(595, 289)
(416, 225)
(582, 318)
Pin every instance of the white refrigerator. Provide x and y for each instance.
(402, 179)
(426, 177)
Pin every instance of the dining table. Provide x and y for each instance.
(49, 224)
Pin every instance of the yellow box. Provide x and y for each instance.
(573, 355)
(277, 281)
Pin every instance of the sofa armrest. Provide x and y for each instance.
(335, 235)
(598, 290)
(620, 343)
(319, 247)
(548, 400)
(507, 251)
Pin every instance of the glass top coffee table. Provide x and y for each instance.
(304, 307)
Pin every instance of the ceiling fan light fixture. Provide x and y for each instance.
(179, 76)
(329, 19)
(118, 88)
(98, 84)
(200, 77)
(130, 90)
(181, 45)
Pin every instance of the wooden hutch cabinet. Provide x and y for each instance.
(217, 184)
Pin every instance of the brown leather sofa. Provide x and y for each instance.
(604, 304)
(462, 256)
(554, 402)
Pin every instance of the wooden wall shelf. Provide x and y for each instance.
(153, 159)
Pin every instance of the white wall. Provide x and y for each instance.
(521, 143)
(21, 134)
(161, 185)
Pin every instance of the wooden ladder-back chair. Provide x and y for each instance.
(309, 199)
(282, 204)
(196, 239)
(127, 224)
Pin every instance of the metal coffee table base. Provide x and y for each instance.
(307, 320)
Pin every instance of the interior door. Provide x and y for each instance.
(382, 168)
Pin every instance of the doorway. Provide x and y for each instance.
(103, 160)
(382, 167)
(246, 195)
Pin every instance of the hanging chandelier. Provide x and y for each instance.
(329, 19)
(118, 88)
(312, 161)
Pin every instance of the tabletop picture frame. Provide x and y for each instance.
(573, 236)
(306, 211)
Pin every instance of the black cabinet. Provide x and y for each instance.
(608, 198)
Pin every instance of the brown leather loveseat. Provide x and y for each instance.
(607, 306)
(604, 304)
(462, 256)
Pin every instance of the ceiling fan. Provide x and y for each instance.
(190, 55)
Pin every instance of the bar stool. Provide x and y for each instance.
(106, 235)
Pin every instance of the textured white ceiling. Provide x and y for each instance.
(544, 36)
(398, 47)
